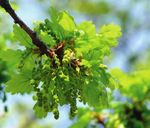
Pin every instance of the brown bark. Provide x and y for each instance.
(35, 40)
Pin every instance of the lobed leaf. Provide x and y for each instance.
(21, 36)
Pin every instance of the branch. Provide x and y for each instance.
(58, 50)
(35, 40)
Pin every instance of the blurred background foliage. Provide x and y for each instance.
(129, 106)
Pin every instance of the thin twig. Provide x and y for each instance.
(35, 40)
(58, 50)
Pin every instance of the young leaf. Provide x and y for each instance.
(11, 57)
(88, 27)
(19, 83)
(92, 93)
(56, 28)
(54, 14)
(22, 36)
(110, 33)
(48, 39)
(39, 111)
(66, 21)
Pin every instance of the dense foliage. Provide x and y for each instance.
(73, 71)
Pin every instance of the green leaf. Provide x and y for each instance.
(137, 81)
(39, 111)
(11, 57)
(55, 28)
(2, 42)
(88, 27)
(22, 36)
(111, 30)
(110, 33)
(19, 83)
(67, 22)
(92, 93)
(54, 14)
(85, 63)
(47, 39)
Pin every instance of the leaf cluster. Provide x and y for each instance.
(75, 70)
